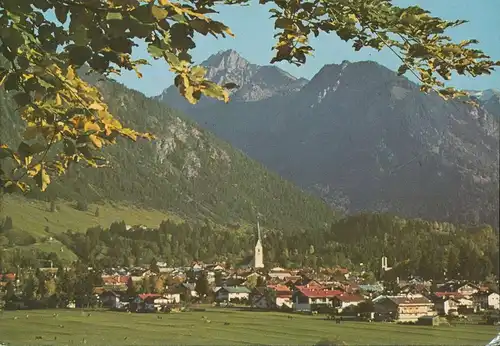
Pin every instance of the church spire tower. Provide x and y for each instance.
(258, 260)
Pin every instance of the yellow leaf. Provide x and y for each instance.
(71, 73)
(3, 76)
(34, 170)
(164, 2)
(58, 100)
(96, 140)
(90, 126)
(96, 106)
(42, 179)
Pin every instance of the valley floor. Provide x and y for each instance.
(226, 327)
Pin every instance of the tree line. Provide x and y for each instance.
(413, 247)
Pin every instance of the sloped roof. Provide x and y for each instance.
(350, 298)
(318, 293)
(279, 288)
(148, 295)
(409, 300)
(236, 289)
(448, 294)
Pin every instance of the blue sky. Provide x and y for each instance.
(254, 39)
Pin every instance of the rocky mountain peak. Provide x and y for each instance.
(364, 138)
(255, 82)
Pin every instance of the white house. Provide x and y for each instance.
(229, 293)
(445, 305)
(307, 299)
(111, 299)
(279, 273)
(172, 297)
(346, 300)
(487, 300)
(467, 290)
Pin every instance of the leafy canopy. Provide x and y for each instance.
(44, 44)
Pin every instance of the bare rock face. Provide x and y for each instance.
(361, 137)
(255, 82)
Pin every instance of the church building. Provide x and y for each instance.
(258, 260)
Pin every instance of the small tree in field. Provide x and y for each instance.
(52, 206)
(7, 224)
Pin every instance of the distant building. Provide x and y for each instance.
(258, 261)
(310, 299)
(404, 307)
(385, 266)
(228, 294)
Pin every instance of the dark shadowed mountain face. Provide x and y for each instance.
(363, 138)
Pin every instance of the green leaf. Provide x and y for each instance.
(172, 59)
(78, 55)
(61, 12)
(12, 38)
(30, 132)
(231, 86)
(200, 26)
(283, 23)
(37, 148)
(114, 16)
(121, 44)
(214, 91)
(12, 82)
(143, 14)
(41, 4)
(155, 51)
(69, 147)
(24, 150)
(180, 35)
(22, 99)
(3, 75)
(5, 152)
(159, 13)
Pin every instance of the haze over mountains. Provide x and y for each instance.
(360, 137)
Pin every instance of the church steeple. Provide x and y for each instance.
(259, 239)
(258, 261)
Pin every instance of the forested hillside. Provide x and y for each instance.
(417, 247)
(185, 170)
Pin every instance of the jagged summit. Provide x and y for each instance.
(363, 138)
(255, 82)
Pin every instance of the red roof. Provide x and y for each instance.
(8, 276)
(279, 288)
(350, 298)
(319, 293)
(342, 270)
(149, 295)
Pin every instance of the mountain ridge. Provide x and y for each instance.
(186, 170)
(353, 134)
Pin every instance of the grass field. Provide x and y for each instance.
(33, 216)
(115, 328)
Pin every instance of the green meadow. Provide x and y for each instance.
(226, 327)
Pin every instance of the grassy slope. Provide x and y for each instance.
(110, 328)
(33, 216)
